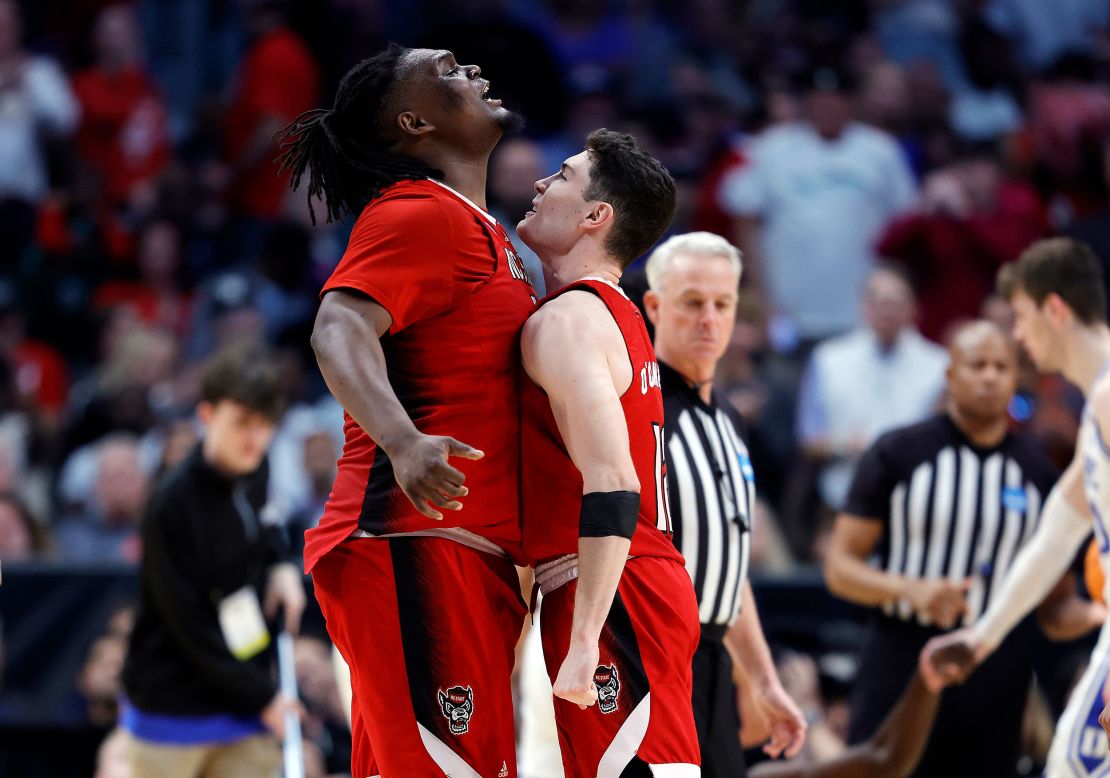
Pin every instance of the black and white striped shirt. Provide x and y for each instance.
(951, 509)
(711, 492)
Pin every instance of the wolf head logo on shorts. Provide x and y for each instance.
(608, 684)
(457, 704)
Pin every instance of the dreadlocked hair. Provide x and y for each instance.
(343, 148)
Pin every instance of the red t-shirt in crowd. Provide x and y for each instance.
(278, 78)
(40, 374)
(448, 275)
(954, 261)
(124, 135)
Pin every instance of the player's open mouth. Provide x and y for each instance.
(486, 98)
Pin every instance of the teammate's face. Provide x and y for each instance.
(1033, 330)
(559, 209)
(695, 312)
(450, 97)
(982, 375)
(235, 437)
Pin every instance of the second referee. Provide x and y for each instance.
(945, 505)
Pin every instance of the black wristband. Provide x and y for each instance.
(609, 514)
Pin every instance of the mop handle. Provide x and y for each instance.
(291, 748)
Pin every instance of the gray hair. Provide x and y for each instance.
(698, 244)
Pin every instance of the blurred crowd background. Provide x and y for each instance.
(143, 225)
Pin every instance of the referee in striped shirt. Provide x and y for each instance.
(693, 281)
(942, 508)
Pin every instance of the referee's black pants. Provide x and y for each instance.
(715, 714)
(977, 733)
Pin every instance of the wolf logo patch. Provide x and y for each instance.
(457, 705)
(608, 684)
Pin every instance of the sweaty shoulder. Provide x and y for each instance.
(572, 315)
(572, 323)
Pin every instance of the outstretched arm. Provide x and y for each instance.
(1065, 524)
(892, 752)
(572, 348)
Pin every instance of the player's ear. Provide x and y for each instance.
(1056, 309)
(651, 306)
(600, 216)
(412, 124)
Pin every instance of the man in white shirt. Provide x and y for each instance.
(875, 378)
(811, 202)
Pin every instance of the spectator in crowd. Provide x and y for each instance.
(16, 431)
(126, 392)
(857, 386)
(985, 105)
(21, 535)
(99, 680)
(969, 221)
(40, 378)
(201, 699)
(280, 280)
(36, 104)
(884, 103)
(811, 201)
(513, 170)
(277, 80)
(123, 136)
(1094, 229)
(1043, 37)
(157, 297)
(1067, 117)
(227, 309)
(320, 454)
(107, 529)
(177, 439)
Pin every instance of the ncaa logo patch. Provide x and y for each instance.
(457, 706)
(1014, 499)
(746, 469)
(608, 684)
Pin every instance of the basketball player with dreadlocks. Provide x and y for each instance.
(416, 337)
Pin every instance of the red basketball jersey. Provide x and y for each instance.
(552, 485)
(448, 275)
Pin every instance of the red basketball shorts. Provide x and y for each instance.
(428, 627)
(644, 676)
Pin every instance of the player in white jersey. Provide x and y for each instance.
(1056, 290)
